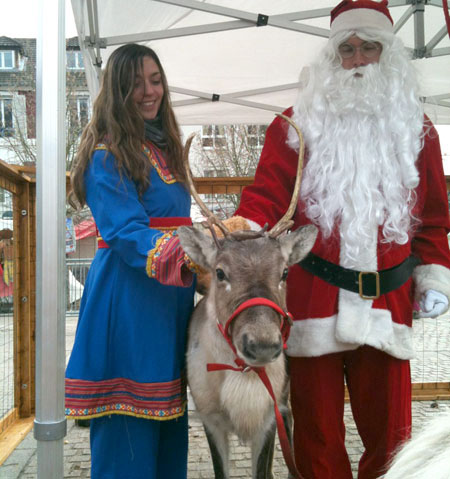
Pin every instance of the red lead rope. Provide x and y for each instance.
(286, 321)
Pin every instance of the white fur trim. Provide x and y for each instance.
(431, 276)
(315, 337)
(354, 318)
(357, 18)
(254, 226)
(356, 323)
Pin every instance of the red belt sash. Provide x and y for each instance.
(165, 224)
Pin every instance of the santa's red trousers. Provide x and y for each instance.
(380, 395)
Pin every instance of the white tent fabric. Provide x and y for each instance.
(252, 70)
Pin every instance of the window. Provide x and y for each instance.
(213, 136)
(7, 59)
(256, 135)
(83, 110)
(78, 112)
(6, 117)
(74, 60)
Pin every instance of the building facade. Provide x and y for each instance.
(18, 98)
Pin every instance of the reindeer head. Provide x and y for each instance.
(249, 264)
(247, 269)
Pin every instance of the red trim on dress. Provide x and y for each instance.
(160, 223)
(96, 398)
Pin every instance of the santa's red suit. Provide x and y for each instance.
(336, 332)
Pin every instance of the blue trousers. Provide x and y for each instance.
(126, 447)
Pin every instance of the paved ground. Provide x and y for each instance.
(22, 463)
(433, 359)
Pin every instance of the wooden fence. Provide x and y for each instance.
(21, 354)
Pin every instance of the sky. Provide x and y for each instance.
(16, 24)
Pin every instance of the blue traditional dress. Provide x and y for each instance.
(128, 356)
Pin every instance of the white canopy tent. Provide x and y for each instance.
(238, 61)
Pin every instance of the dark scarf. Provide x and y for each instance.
(155, 133)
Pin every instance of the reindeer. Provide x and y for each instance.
(228, 328)
(426, 455)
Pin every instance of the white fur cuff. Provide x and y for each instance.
(431, 276)
(316, 337)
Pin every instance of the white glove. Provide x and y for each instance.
(432, 304)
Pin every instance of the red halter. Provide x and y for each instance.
(242, 366)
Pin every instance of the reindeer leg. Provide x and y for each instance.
(218, 446)
(262, 452)
(287, 419)
(265, 459)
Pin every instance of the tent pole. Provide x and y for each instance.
(50, 423)
(419, 29)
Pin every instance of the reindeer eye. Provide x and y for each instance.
(284, 275)
(220, 274)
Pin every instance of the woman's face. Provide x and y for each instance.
(148, 89)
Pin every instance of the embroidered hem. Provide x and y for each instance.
(156, 159)
(158, 163)
(100, 146)
(155, 253)
(191, 266)
(127, 410)
(167, 264)
(162, 400)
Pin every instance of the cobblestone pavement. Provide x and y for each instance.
(22, 463)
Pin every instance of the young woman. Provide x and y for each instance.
(126, 370)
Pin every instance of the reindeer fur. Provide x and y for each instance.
(229, 401)
(426, 455)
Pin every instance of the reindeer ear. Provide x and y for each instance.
(296, 245)
(198, 246)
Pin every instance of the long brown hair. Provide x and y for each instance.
(116, 120)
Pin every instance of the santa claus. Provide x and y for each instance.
(373, 183)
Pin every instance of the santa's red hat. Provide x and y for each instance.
(356, 14)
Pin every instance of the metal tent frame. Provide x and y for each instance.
(93, 43)
(50, 422)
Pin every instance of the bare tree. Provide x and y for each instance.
(228, 151)
(21, 140)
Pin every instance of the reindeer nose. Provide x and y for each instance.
(261, 352)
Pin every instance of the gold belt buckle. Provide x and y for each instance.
(377, 284)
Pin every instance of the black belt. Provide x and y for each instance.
(369, 284)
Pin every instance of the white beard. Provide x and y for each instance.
(363, 135)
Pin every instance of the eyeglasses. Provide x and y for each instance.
(367, 49)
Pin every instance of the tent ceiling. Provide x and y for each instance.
(224, 68)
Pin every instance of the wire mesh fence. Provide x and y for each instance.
(432, 345)
(6, 364)
(77, 270)
(7, 262)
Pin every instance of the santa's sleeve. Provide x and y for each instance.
(267, 199)
(430, 242)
